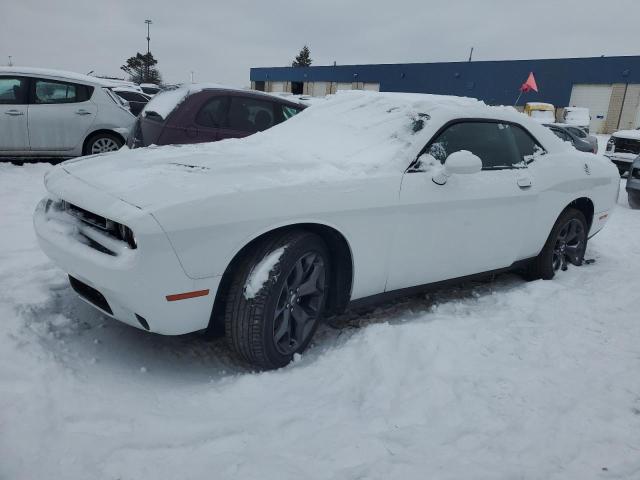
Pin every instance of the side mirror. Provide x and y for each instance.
(462, 162)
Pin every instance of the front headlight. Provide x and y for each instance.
(126, 234)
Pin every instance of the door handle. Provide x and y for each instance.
(524, 182)
(14, 113)
(82, 112)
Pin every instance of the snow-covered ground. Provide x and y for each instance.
(502, 380)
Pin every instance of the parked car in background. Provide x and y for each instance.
(622, 149)
(49, 113)
(576, 135)
(362, 197)
(577, 116)
(150, 88)
(196, 113)
(136, 99)
(633, 184)
(540, 112)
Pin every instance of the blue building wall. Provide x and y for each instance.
(495, 82)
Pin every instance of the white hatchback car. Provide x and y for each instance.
(361, 197)
(48, 113)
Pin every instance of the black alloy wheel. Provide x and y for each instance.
(570, 245)
(299, 303)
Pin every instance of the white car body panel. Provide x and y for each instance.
(61, 129)
(14, 136)
(193, 208)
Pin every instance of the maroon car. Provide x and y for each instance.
(198, 113)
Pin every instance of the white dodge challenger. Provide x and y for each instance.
(362, 196)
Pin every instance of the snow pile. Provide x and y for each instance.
(486, 381)
(260, 273)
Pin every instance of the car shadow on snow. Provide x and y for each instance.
(89, 343)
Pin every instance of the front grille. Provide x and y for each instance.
(626, 145)
(90, 294)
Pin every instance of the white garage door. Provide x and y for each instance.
(319, 89)
(596, 98)
(277, 87)
(374, 87)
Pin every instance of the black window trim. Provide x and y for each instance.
(26, 94)
(412, 166)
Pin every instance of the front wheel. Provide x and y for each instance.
(277, 298)
(634, 200)
(566, 245)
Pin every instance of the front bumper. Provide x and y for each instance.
(134, 282)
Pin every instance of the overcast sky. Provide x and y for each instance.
(221, 40)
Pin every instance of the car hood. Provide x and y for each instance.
(628, 134)
(154, 177)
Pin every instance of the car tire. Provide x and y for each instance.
(267, 323)
(102, 143)
(566, 244)
(634, 200)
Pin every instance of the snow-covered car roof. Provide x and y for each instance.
(59, 74)
(166, 101)
(127, 88)
(628, 134)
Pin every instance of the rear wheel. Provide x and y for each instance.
(102, 143)
(566, 245)
(277, 298)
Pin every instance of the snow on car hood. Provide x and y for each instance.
(629, 134)
(351, 135)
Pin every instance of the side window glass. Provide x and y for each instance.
(578, 132)
(213, 114)
(250, 114)
(491, 141)
(288, 112)
(50, 91)
(527, 145)
(12, 90)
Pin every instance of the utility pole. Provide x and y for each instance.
(471, 54)
(10, 61)
(148, 22)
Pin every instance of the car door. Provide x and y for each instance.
(248, 115)
(14, 134)
(469, 223)
(60, 114)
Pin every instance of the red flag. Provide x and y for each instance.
(530, 84)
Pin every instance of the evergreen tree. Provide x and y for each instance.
(141, 69)
(303, 59)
